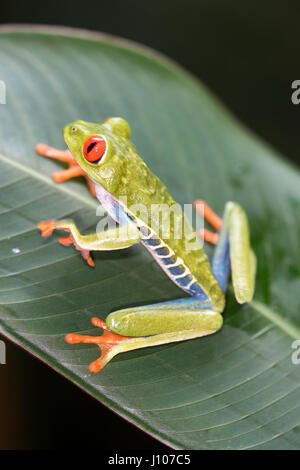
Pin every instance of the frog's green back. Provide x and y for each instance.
(142, 189)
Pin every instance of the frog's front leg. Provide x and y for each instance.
(151, 325)
(73, 170)
(118, 238)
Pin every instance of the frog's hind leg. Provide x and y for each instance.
(232, 250)
(140, 327)
(65, 156)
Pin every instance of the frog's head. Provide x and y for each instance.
(103, 151)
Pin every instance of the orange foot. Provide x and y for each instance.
(105, 342)
(212, 218)
(47, 227)
(74, 169)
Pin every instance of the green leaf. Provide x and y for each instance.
(237, 389)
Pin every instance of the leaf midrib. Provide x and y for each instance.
(275, 318)
(34, 174)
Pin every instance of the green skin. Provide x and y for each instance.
(124, 174)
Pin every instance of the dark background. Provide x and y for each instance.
(247, 53)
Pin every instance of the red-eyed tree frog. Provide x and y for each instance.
(120, 179)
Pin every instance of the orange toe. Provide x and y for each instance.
(96, 366)
(209, 236)
(107, 341)
(51, 152)
(86, 255)
(66, 241)
(90, 262)
(72, 338)
(208, 214)
(46, 227)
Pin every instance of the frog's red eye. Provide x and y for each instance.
(94, 148)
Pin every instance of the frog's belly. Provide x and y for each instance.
(172, 264)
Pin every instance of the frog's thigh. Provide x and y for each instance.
(154, 320)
